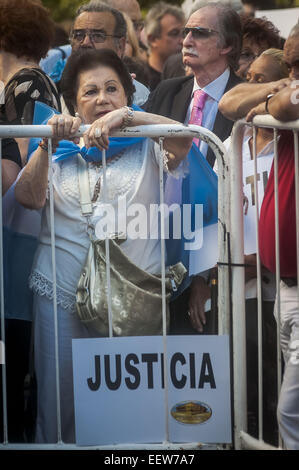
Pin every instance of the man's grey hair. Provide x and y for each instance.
(190, 6)
(96, 6)
(230, 31)
(155, 15)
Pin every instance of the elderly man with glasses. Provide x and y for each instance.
(97, 25)
(211, 49)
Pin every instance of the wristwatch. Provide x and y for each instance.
(267, 101)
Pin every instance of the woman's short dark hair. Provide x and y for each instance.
(26, 28)
(83, 60)
(260, 31)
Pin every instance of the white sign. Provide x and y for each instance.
(120, 393)
(207, 256)
(263, 170)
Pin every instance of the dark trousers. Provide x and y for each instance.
(269, 370)
(17, 350)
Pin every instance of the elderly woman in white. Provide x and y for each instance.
(100, 89)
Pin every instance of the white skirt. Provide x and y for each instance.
(69, 327)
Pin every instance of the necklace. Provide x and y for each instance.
(97, 188)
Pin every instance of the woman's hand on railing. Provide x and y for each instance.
(98, 133)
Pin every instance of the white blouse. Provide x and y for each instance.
(133, 187)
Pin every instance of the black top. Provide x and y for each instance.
(21, 92)
(10, 151)
(154, 77)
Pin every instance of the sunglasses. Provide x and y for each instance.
(198, 32)
(95, 35)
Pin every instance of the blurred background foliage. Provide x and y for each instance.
(63, 11)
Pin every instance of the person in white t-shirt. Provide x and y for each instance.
(268, 67)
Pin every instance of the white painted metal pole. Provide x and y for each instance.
(107, 249)
(296, 156)
(259, 295)
(163, 260)
(277, 258)
(56, 329)
(238, 284)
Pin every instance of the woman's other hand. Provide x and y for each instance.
(98, 133)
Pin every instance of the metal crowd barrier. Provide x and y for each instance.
(243, 439)
(224, 326)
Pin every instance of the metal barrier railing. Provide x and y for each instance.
(242, 439)
(154, 131)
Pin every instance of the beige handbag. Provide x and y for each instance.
(136, 296)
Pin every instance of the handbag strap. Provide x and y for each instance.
(84, 186)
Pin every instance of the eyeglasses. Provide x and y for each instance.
(198, 32)
(248, 56)
(95, 35)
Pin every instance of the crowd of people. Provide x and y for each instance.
(209, 66)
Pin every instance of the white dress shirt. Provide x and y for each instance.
(214, 90)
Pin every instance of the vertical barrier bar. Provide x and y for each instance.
(296, 156)
(53, 254)
(224, 320)
(238, 282)
(259, 295)
(107, 248)
(162, 218)
(4, 391)
(277, 258)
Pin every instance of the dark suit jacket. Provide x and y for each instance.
(172, 97)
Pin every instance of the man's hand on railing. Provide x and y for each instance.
(257, 110)
(250, 267)
(200, 293)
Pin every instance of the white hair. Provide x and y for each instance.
(190, 6)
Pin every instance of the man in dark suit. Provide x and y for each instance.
(211, 49)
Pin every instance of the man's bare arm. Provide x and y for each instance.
(236, 103)
(284, 105)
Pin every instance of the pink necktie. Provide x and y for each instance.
(197, 110)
